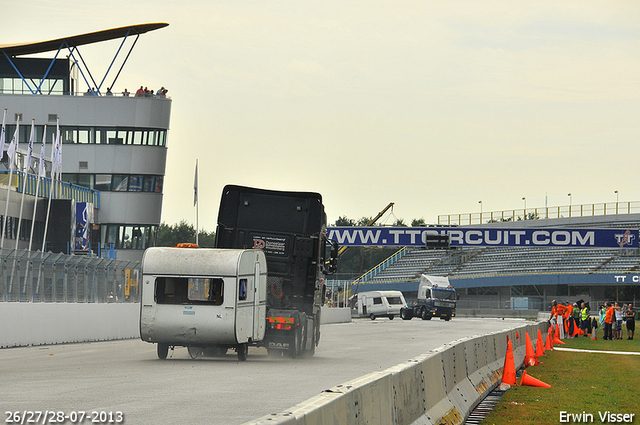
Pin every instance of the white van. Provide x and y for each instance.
(203, 299)
(373, 304)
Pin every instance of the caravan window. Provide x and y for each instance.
(394, 300)
(377, 300)
(242, 291)
(183, 290)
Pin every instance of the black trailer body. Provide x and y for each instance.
(290, 228)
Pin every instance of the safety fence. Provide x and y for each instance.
(61, 190)
(33, 276)
(583, 210)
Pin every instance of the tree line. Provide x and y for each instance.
(184, 233)
(359, 259)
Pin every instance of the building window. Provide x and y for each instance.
(129, 236)
(120, 182)
(103, 182)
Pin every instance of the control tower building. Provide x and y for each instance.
(114, 145)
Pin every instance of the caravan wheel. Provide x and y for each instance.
(195, 352)
(243, 351)
(163, 350)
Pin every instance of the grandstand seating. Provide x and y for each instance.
(410, 263)
(483, 262)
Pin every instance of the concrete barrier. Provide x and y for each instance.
(334, 315)
(26, 324)
(442, 386)
(498, 312)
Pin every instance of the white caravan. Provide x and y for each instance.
(373, 304)
(208, 300)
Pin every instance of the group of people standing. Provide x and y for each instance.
(612, 315)
(145, 92)
(141, 92)
(578, 315)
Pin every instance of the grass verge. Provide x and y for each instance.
(582, 383)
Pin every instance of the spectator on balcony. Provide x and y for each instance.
(125, 93)
(109, 92)
(140, 92)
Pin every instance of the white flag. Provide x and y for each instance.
(30, 148)
(2, 136)
(55, 154)
(41, 169)
(59, 154)
(195, 187)
(14, 141)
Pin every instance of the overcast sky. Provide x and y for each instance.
(432, 105)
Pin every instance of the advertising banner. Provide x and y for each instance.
(84, 222)
(485, 236)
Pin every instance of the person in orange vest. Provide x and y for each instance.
(608, 322)
(554, 312)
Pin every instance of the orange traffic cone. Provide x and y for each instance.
(530, 358)
(556, 337)
(532, 382)
(549, 344)
(509, 369)
(517, 335)
(539, 345)
(576, 331)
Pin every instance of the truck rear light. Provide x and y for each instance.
(280, 326)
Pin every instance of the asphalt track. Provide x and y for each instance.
(126, 376)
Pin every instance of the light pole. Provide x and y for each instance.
(570, 202)
(617, 199)
(480, 202)
(525, 207)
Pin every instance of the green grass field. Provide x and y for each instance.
(582, 384)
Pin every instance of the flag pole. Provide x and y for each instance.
(11, 153)
(40, 175)
(35, 207)
(25, 179)
(54, 160)
(195, 198)
(2, 140)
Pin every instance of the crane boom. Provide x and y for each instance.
(370, 223)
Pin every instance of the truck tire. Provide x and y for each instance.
(405, 314)
(447, 318)
(391, 317)
(294, 348)
(372, 316)
(163, 350)
(424, 314)
(243, 351)
(307, 354)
